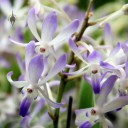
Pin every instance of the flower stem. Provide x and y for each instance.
(85, 23)
(59, 98)
(64, 77)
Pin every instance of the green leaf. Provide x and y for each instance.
(85, 99)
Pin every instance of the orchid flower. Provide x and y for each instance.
(95, 66)
(34, 78)
(86, 118)
(46, 43)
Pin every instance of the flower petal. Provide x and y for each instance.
(65, 34)
(24, 106)
(16, 42)
(116, 104)
(108, 36)
(74, 48)
(95, 82)
(18, 84)
(94, 57)
(5, 6)
(86, 124)
(106, 89)
(50, 102)
(38, 107)
(29, 53)
(58, 67)
(32, 23)
(49, 27)
(35, 69)
(115, 50)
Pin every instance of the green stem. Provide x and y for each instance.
(85, 23)
(72, 59)
(59, 98)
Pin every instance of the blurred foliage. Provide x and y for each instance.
(82, 4)
(85, 95)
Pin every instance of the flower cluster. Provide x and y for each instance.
(56, 53)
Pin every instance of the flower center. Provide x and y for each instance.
(94, 71)
(42, 50)
(93, 112)
(29, 90)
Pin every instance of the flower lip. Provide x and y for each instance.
(24, 106)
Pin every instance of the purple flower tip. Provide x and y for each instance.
(86, 125)
(24, 106)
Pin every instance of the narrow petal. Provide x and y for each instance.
(94, 57)
(116, 104)
(108, 36)
(25, 122)
(17, 84)
(32, 23)
(106, 89)
(38, 107)
(106, 65)
(65, 34)
(125, 48)
(16, 42)
(50, 102)
(29, 53)
(58, 67)
(49, 27)
(20, 63)
(115, 50)
(78, 72)
(35, 69)
(75, 49)
(24, 106)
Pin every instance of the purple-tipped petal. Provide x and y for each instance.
(17, 84)
(65, 34)
(29, 52)
(95, 82)
(31, 21)
(94, 57)
(58, 67)
(86, 124)
(24, 106)
(75, 49)
(116, 104)
(49, 27)
(106, 65)
(106, 89)
(35, 69)
(115, 50)
(16, 42)
(108, 36)
(124, 46)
